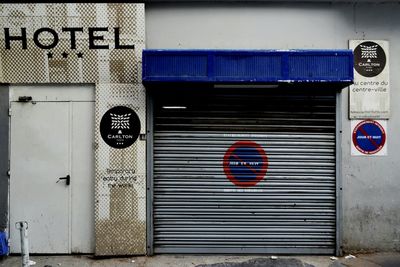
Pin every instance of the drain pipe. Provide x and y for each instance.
(23, 228)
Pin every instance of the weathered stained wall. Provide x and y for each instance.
(117, 75)
(3, 157)
(371, 210)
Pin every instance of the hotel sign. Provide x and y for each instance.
(93, 34)
(370, 93)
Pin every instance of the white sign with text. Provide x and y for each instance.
(370, 93)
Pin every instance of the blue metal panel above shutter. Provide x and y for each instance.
(248, 66)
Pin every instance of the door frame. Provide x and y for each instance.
(150, 172)
(339, 178)
(4, 158)
(88, 96)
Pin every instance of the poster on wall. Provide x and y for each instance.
(369, 137)
(370, 94)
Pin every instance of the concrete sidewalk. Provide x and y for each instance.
(362, 260)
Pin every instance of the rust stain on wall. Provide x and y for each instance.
(120, 184)
(122, 234)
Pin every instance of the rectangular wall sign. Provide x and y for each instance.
(370, 94)
(369, 137)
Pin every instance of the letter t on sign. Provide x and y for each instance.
(72, 32)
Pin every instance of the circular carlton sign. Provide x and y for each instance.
(245, 163)
(120, 127)
(369, 137)
(369, 59)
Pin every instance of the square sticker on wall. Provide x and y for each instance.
(368, 137)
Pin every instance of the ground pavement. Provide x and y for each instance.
(359, 260)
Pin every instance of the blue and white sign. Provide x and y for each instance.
(245, 163)
(368, 138)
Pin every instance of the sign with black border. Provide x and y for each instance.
(370, 95)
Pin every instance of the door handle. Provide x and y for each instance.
(66, 178)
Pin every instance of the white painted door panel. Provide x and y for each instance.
(39, 156)
(51, 137)
(82, 178)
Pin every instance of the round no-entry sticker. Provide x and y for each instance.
(245, 163)
(369, 137)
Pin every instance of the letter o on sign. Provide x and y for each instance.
(37, 42)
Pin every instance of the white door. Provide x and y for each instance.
(52, 138)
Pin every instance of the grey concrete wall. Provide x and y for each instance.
(3, 157)
(371, 186)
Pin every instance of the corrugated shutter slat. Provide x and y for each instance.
(197, 209)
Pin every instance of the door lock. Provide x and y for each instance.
(66, 178)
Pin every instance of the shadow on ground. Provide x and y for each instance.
(261, 262)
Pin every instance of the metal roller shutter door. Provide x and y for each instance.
(196, 209)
